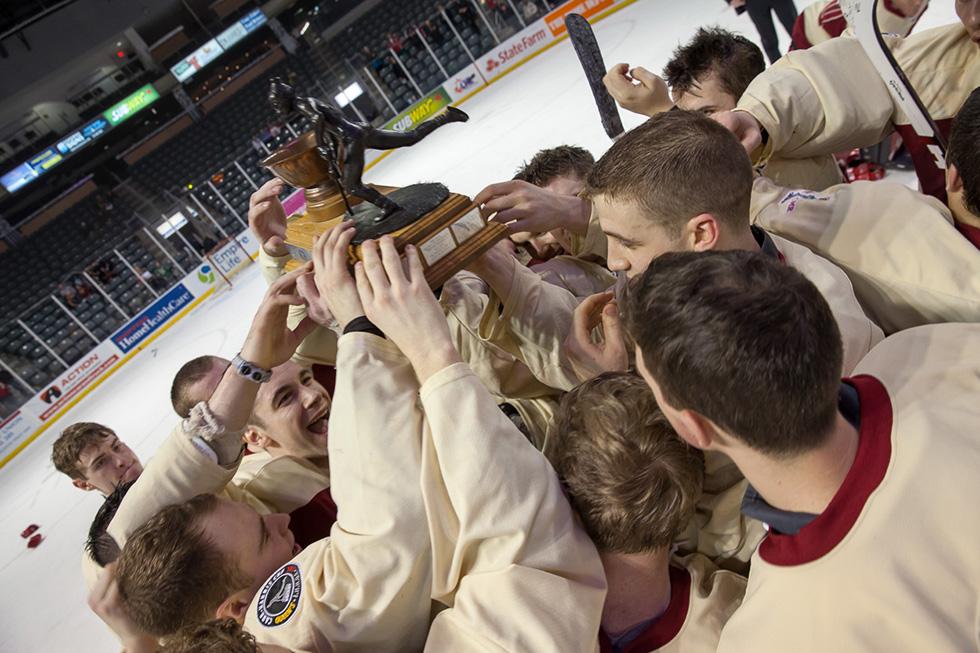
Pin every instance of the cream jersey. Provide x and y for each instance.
(891, 563)
(908, 263)
(702, 598)
(510, 560)
(719, 530)
(367, 586)
(539, 315)
(830, 98)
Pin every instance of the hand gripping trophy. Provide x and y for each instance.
(328, 161)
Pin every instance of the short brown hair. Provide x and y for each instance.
(554, 162)
(677, 165)
(734, 59)
(633, 482)
(190, 373)
(964, 149)
(72, 442)
(744, 340)
(170, 575)
(215, 636)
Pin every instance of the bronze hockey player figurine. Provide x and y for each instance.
(341, 142)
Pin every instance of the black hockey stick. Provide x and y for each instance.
(587, 50)
(862, 16)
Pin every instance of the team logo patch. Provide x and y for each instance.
(279, 597)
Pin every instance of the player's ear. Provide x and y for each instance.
(256, 439)
(702, 233)
(235, 606)
(695, 429)
(82, 484)
(954, 182)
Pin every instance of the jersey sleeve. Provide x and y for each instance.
(373, 590)
(509, 559)
(178, 472)
(539, 317)
(593, 243)
(815, 102)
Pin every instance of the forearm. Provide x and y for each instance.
(539, 317)
(180, 470)
(374, 439)
(819, 101)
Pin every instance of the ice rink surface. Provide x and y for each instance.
(544, 103)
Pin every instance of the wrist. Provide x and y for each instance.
(251, 354)
(580, 211)
(430, 361)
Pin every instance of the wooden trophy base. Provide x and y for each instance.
(448, 237)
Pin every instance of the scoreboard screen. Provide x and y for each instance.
(133, 104)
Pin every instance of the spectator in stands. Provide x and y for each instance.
(431, 33)
(530, 10)
(395, 43)
(68, 294)
(464, 16)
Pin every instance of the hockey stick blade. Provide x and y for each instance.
(862, 16)
(587, 51)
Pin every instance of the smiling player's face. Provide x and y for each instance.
(293, 410)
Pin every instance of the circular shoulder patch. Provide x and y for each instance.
(279, 597)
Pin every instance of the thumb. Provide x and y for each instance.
(612, 325)
(303, 329)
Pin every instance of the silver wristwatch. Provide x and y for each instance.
(250, 371)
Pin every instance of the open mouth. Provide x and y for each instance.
(319, 423)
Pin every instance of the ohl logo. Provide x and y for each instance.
(205, 274)
(463, 84)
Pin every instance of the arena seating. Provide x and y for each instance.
(200, 160)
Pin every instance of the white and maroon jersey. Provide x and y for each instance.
(891, 564)
(831, 99)
(702, 598)
(908, 262)
(824, 20)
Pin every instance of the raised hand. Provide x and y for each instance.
(588, 358)
(267, 219)
(397, 299)
(638, 90)
(526, 207)
(270, 342)
(332, 274)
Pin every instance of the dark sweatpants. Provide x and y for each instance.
(760, 11)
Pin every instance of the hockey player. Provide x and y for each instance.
(709, 74)
(471, 311)
(286, 468)
(636, 487)
(677, 182)
(830, 98)
(835, 466)
(527, 548)
(94, 458)
(866, 227)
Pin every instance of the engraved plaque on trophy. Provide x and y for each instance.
(327, 163)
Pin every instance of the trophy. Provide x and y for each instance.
(327, 163)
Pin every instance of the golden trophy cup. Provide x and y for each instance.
(327, 163)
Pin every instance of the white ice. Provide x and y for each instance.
(544, 103)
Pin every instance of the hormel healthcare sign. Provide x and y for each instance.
(152, 318)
